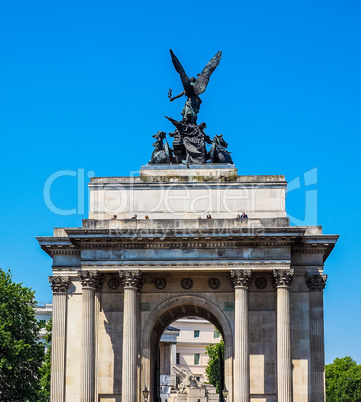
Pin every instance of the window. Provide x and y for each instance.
(216, 334)
(196, 333)
(177, 358)
(196, 358)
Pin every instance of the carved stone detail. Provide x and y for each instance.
(261, 283)
(132, 279)
(91, 279)
(113, 283)
(214, 283)
(282, 277)
(187, 283)
(59, 284)
(241, 277)
(316, 281)
(160, 283)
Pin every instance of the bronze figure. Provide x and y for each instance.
(193, 87)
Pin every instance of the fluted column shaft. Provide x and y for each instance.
(57, 385)
(241, 280)
(173, 360)
(316, 284)
(131, 280)
(91, 281)
(283, 280)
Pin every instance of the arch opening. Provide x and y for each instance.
(166, 314)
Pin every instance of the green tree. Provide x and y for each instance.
(215, 366)
(21, 353)
(343, 380)
(46, 367)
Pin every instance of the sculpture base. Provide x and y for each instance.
(206, 170)
(192, 395)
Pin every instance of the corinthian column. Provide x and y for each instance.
(241, 279)
(132, 281)
(282, 279)
(59, 285)
(316, 283)
(91, 281)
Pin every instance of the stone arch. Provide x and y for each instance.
(169, 311)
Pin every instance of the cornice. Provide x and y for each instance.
(60, 251)
(316, 244)
(169, 231)
(190, 238)
(58, 246)
(83, 239)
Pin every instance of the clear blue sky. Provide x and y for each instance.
(83, 85)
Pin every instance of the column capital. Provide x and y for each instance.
(91, 279)
(131, 279)
(282, 277)
(59, 284)
(315, 281)
(241, 278)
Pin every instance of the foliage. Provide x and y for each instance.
(46, 367)
(343, 380)
(21, 353)
(213, 369)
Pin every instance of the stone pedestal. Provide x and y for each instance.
(191, 395)
(59, 286)
(132, 281)
(282, 280)
(241, 280)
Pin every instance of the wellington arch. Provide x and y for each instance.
(118, 282)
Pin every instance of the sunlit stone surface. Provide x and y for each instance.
(258, 280)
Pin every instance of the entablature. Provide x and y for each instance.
(194, 266)
(295, 238)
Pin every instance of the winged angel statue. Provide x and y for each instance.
(193, 87)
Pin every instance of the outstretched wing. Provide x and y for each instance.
(202, 81)
(180, 70)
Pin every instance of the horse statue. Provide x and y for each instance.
(187, 379)
(161, 153)
(218, 152)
